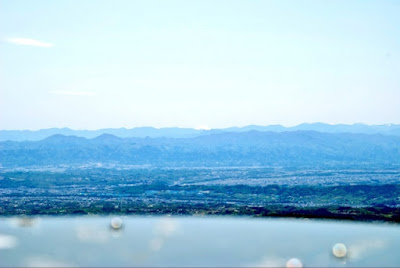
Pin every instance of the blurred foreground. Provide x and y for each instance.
(195, 241)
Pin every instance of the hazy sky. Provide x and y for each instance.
(97, 64)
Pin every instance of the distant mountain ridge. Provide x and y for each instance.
(250, 148)
(175, 132)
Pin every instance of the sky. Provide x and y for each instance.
(204, 64)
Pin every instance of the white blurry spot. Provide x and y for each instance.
(90, 234)
(116, 233)
(7, 241)
(363, 248)
(156, 244)
(339, 250)
(294, 263)
(270, 261)
(24, 222)
(166, 227)
(116, 223)
(162, 231)
(45, 261)
(27, 222)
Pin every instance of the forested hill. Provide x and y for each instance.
(294, 148)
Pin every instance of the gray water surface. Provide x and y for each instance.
(194, 241)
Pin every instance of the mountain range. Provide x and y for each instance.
(175, 132)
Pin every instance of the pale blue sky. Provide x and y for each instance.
(97, 64)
